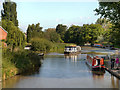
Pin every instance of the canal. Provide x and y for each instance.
(59, 71)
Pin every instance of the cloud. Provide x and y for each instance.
(59, 20)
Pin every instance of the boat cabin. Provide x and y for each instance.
(95, 62)
(72, 49)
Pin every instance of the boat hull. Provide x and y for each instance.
(71, 52)
(97, 69)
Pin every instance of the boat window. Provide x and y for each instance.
(98, 60)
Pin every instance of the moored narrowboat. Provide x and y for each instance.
(95, 63)
(72, 49)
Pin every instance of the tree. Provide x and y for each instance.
(83, 34)
(71, 34)
(61, 29)
(15, 37)
(9, 12)
(96, 31)
(52, 35)
(41, 44)
(111, 10)
(29, 35)
(34, 31)
(107, 28)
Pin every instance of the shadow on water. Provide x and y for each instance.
(115, 82)
(35, 70)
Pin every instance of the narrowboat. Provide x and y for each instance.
(72, 49)
(95, 63)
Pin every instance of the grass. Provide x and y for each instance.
(95, 53)
(117, 46)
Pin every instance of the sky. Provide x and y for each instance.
(51, 13)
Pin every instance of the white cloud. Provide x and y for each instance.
(59, 20)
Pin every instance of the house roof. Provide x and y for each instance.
(3, 29)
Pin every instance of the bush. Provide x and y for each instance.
(41, 44)
(18, 62)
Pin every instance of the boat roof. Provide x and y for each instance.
(99, 56)
(3, 29)
(70, 46)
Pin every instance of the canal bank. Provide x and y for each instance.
(100, 51)
(115, 72)
(15, 63)
(63, 71)
(20, 61)
(59, 71)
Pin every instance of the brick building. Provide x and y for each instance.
(3, 34)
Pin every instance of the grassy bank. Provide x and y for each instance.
(117, 46)
(45, 46)
(20, 61)
(14, 63)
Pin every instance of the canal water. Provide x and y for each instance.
(60, 71)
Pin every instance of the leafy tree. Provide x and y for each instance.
(96, 31)
(107, 28)
(71, 34)
(52, 35)
(29, 35)
(111, 10)
(83, 34)
(9, 12)
(34, 31)
(41, 44)
(15, 37)
(61, 29)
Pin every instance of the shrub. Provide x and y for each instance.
(41, 44)
(18, 62)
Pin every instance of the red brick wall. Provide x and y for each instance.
(3, 34)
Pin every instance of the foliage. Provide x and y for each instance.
(15, 37)
(107, 27)
(71, 34)
(18, 62)
(61, 29)
(9, 12)
(52, 35)
(41, 44)
(83, 34)
(111, 11)
(34, 31)
(115, 36)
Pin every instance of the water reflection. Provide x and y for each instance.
(97, 75)
(11, 82)
(114, 82)
(73, 58)
(63, 71)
